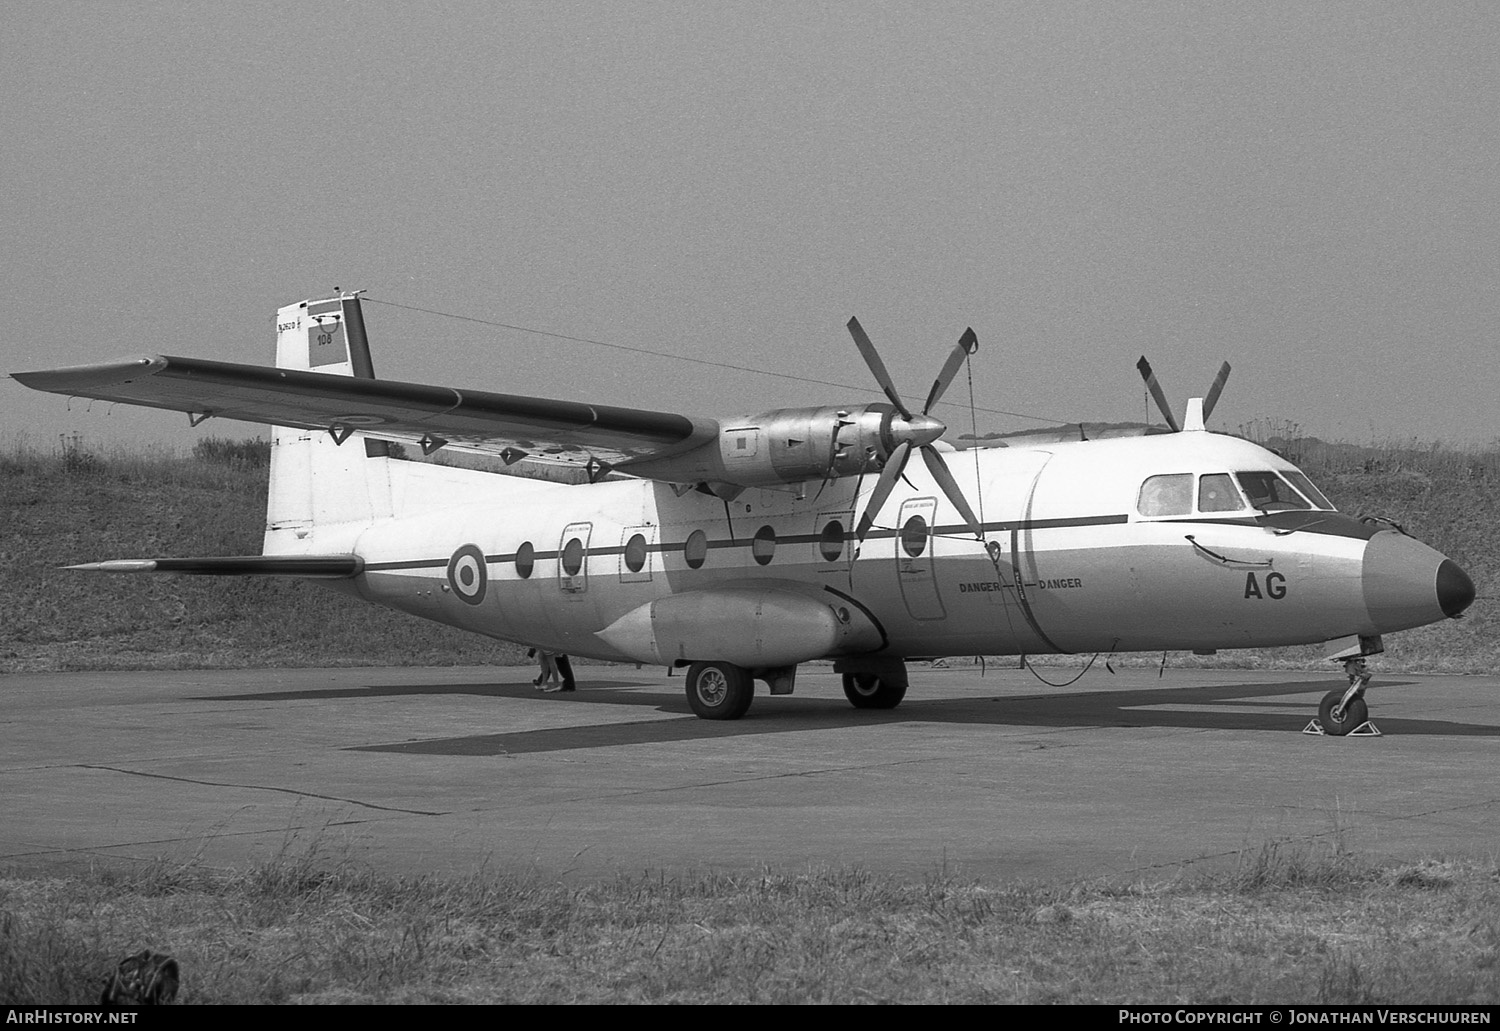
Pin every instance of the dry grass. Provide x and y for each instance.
(1285, 926)
(72, 504)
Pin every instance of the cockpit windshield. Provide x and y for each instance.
(1269, 492)
(1171, 495)
(1302, 483)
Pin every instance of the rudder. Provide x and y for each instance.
(323, 481)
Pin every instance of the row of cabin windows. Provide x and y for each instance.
(1171, 494)
(831, 540)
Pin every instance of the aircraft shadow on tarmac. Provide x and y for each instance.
(1213, 707)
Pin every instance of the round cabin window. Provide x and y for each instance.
(635, 553)
(572, 557)
(525, 560)
(914, 536)
(831, 541)
(764, 545)
(696, 549)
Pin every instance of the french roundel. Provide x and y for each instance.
(467, 575)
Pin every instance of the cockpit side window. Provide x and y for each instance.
(1167, 495)
(1269, 492)
(1216, 493)
(1301, 482)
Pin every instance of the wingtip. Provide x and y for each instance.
(76, 377)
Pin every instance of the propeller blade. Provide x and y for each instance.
(967, 345)
(939, 470)
(872, 359)
(1215, 390)
(1144, 368)
(883, 487)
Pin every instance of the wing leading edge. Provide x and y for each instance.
(508, 425)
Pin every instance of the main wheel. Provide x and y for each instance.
(719, 690)
(1355, 713)
(868, 691)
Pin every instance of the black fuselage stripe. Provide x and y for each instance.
(801, 538)
(421, 563)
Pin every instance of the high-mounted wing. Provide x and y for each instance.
(324, 380)
(507, 425)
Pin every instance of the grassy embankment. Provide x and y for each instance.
(75, 504)
(79, 505)
(1288, 926)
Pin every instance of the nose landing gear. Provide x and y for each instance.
(1345, 712)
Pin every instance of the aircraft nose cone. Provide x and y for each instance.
(1455, 590)
(1407, 584)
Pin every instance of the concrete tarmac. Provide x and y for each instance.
(994, 777)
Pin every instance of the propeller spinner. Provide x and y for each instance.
(914, 431)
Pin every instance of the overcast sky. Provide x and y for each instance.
(1308, 190)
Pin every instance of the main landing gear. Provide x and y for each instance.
(871, 691)
(723, 690)
(1345, 712)
(719, 690)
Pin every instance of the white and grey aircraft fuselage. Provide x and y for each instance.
(741, 548)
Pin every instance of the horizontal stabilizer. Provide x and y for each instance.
(323, 567)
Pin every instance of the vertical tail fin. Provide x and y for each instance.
(321, 479)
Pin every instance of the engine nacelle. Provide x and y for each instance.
(788, 445)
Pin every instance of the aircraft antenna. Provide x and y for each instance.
(674, 357)
(974, 433)
(1066, 683)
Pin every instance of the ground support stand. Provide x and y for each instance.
(1365, 729)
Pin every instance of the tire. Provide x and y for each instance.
(719, 690)
(1353, 715)
(868, 691)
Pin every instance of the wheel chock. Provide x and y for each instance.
(1365, 729)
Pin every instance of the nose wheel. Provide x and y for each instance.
(1345, 712)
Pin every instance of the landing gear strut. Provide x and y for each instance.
(1343, 712)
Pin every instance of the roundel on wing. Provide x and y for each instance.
(467, 574)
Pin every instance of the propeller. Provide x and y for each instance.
(1144, 368)
(914, 431)
(1215, 390)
